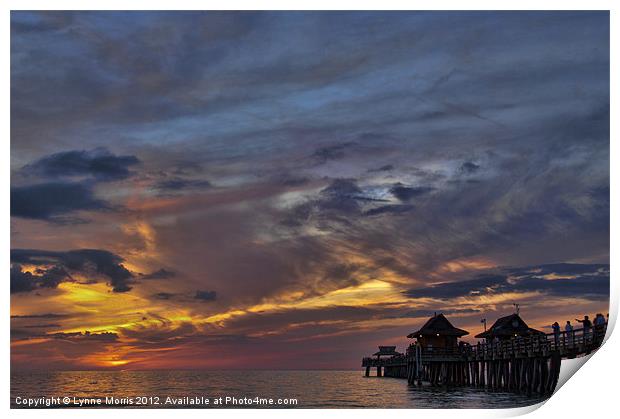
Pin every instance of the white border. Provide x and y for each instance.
(591, 394)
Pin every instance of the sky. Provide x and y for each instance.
(288, 190)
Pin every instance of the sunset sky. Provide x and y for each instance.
(226, 190)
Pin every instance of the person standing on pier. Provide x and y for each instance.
(569, 333)
(587, 326)
(599, 328)
(556, 333)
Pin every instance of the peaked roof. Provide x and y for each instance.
(509, 326)
(438, 324)
(387, 350)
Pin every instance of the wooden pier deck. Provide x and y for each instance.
(529, 364)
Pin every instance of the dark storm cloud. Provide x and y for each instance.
(56, 267)
(54, 202)
(23, 333)
(103, 337)
(22, 281)
(99, 164)
(469, 167)
(44, 331)
(341, 200)
(51, 277)
(342, 195)
(573, 281)
(205, 295)
(42, 278)
(159, 274)
(342, 188)
(406, 193)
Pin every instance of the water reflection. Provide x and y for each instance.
(313, 389)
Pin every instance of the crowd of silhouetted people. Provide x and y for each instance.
(593, 332)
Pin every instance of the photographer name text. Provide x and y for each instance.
(150, 401)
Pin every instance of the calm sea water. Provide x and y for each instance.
(312, 389)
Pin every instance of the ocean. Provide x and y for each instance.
(241, 389)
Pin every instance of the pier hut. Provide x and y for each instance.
(438, 332)
(508, 327)
(384, 351)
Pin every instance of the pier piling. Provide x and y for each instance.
(528, 365)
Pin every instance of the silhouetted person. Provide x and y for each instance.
(569, 333)
(556, 333)
(599, 328)
(599, 320)
(587, 325)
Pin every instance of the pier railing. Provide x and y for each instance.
(568, 344)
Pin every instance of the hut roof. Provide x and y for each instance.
(438, 324)
(509, 326)
(387, 351)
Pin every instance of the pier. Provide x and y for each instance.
(514, 357)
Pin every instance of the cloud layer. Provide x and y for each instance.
(54, 201)
(99, 164)
(56, 267)
(308, 184)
